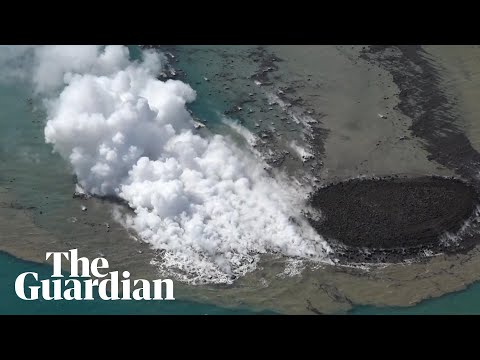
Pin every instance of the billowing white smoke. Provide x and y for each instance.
(207, 204)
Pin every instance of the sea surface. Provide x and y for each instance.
(42, 183)
(463, 302)
(10, 267)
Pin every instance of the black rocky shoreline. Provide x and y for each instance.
(396, 218)
(390, 220)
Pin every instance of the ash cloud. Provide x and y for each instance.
(209, 205)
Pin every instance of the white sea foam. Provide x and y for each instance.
(449, 239)
(294, 267)
(209, 206)
(297, 116)
(303, 153)
(249, 137)
(79, 190)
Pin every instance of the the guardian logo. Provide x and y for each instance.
(80, 286)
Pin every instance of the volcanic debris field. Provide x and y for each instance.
(395, 218)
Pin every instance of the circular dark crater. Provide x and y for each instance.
(394, 218)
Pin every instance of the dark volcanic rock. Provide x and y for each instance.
(392, 215)
(434, 114)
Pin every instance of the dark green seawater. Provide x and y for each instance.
(26, 158)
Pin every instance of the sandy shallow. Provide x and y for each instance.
(461, 71)
(352, 95)
(325, 289)
(357, 129)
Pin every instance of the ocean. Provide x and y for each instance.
(11, 304)
(36, 189)
(463, 302)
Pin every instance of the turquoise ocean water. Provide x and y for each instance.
(22, 146)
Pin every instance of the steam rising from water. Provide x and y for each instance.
(209, 205)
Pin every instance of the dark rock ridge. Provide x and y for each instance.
(435, 116)
(395, 218)
(407, 218)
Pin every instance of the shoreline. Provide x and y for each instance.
(396, 219)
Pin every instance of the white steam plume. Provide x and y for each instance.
(208, 205)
